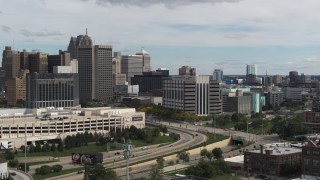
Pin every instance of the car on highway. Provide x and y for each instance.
(261, 176)
(117, 153)
(121, 157)
(13, 174)
(144, 148)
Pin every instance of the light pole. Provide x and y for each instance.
(248, 131)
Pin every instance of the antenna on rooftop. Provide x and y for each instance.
(13, 44)
(86, 31)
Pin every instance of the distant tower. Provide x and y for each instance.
(79, 41)
(187, 71)
(294, 76)
(251, 75)
(218, 75)
(145, 60)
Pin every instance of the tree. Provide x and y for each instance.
(23, 165)
(155, 173)
(57, 168)
(217, 153)
(13, 163)
(203, 152)
(160, 162)
(9, 155)
(44, 170)
(60, 146)
(98, 172)
(184, 156)
(53, 147)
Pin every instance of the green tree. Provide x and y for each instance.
(22, 165)
(13, 163)
(160, 162)
(53, 147)
(9, 155)
(60, 146)
(204, 152)
(57, 168)
(184, 156)
(98, 172)
(44, 170)
(217, 153)
(155, 173)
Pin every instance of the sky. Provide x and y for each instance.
(277, 35)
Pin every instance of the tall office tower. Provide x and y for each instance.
(10, 62)
(95, 72)
(131, 65)
(194, 94)
(76, 42)
(294, 77)
(305, 78)
(252, 69)
(24, 59)
(38, 62)
(186, 70)
(62, 59)
(145, 60)
(251, 75)
(118, 78)
(16, 88)
(217, 75)
(52, 90)
(277, 79)
(103, 73)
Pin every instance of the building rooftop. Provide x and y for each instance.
(235, 159)
(277, 149)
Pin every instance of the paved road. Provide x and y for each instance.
(19, 175)
(187, 140)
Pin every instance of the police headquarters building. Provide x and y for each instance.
(19, 126)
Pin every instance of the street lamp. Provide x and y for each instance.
(248, 130)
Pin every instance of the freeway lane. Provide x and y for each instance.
(187, 139)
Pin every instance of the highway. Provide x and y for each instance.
(187, 139)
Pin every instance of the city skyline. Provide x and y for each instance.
(277, 36)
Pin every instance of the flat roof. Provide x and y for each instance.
(279, 150)
(235, 159)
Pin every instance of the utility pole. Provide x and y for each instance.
(127, 153)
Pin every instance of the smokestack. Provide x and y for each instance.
(261, 149)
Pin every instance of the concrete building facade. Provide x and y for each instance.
(52, 90)
(194, 94)
(238, 104)
(95, 72)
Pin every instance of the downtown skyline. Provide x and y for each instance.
(205, 34)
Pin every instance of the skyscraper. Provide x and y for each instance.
(187, 70)
(251, 76)
(10, 62)
(217, 75)
(135, 64)
(76, 42)
(145, 60)
(294, 76)
(252, 69)
(38, 62)
(95, 72)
